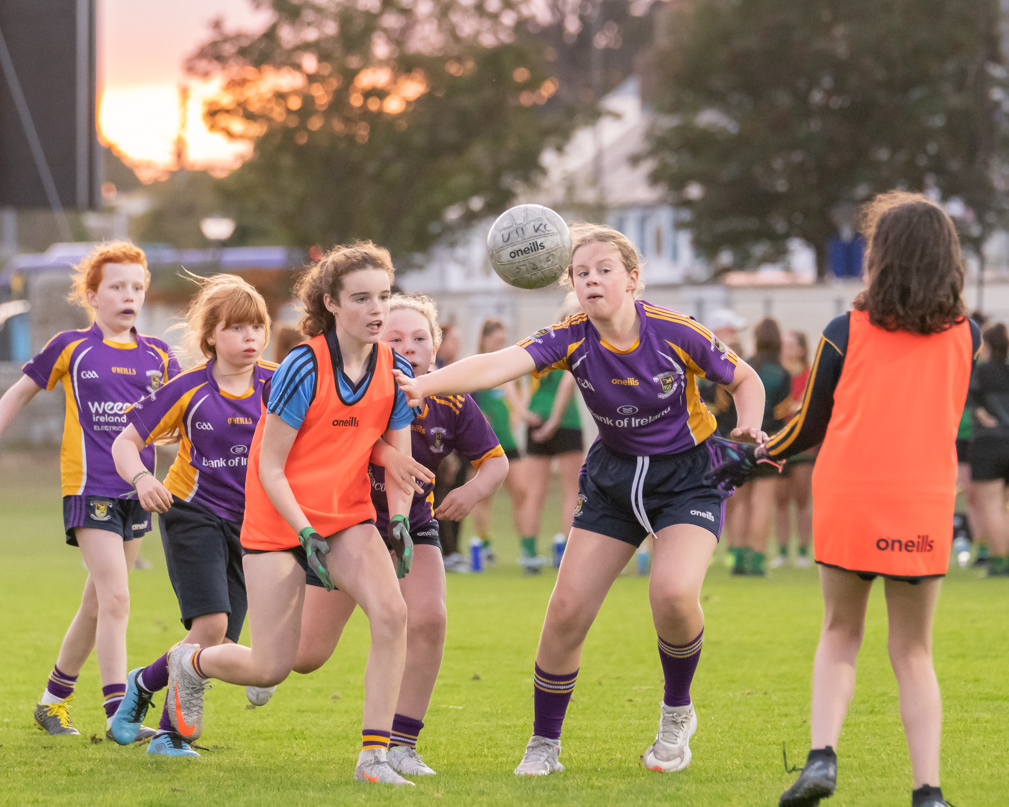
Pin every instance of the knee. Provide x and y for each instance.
(428, 627)
(114, 604)
(209, 630)
(842, 629)
(390, 621)
(271, 675)
(908, 653)
(675, 606)
(566, 616)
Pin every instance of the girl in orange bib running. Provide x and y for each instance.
(308, 502)
(909, 335)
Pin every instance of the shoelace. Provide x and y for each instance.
(60, 711)
(140, 705)
(672, 727)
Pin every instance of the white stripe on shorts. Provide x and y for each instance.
(638, 494)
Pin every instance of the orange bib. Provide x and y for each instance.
(328, 464)
(885, 478)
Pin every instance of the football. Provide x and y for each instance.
(529, 246)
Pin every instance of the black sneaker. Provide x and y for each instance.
(817, 780)
(926, 796)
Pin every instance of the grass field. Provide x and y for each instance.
(752, 694)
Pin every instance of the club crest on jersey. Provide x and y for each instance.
(154, 380)
(670, 382)
(578, 506)
(717, 346)
(439, 440)
(100, 511)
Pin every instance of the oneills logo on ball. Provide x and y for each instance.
(536, 246)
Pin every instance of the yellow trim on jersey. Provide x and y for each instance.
(680, 319)
(72, 448)
(559, 365)
(267, 365)
(700, 421)
(225, 394)
(783, 439)
(497, 451)
(182, 476)
(122, 345)
(62, 365)
(453, 402)
(617, 350)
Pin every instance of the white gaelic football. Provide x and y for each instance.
(529, 246)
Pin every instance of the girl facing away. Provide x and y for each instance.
(444, 424)
(103, 369)
(907, 339)
(214, 409)
(637, 366)
(308, 502)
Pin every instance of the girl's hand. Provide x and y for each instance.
(749, 436)
(458, 503)
(545, 432)
(154, 497)
(533, 419)
(985, 419)
(404, 472)
(411, 388)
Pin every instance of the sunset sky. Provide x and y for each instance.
(141, 49)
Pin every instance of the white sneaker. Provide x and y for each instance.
(185, 691)
(372, 766)
(777, 562)
(407, 761)
(540, 757)
(803, 562)
(671, 749)
(260, 696)
(456, 563)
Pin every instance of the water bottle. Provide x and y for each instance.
(644, 560)
(476, 554)
(559, 543)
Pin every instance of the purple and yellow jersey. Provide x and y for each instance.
(645, 398)
(215, 429)
(446, 423)
(100, 380)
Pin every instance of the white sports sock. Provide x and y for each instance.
(48, 698)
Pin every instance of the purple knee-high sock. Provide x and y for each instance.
(405, 731)
(679, 662)
(154, 677)
(60, 685)
(551, 695)
(113, 694)
(165, 724)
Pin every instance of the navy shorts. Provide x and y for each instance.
(204, 556)
(626, 497)
(563, 441)
(124, 517)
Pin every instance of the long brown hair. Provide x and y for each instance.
(767, 339)
(326, 277)
(913, 265)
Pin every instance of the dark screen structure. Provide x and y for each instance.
(52, 47)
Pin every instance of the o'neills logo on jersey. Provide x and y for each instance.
(627, 382)
(920, 544)
(346, 422)
(124, 371)
(240, 421)
(534, 247)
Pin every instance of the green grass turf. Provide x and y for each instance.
(752, 693)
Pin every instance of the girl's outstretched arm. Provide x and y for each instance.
(480, 372)
(16, 399)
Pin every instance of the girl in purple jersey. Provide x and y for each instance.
(214, 408)
(637, 366)
(444, 425)
(103, 369)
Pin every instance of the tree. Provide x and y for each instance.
(381, 119)
(773, 113)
